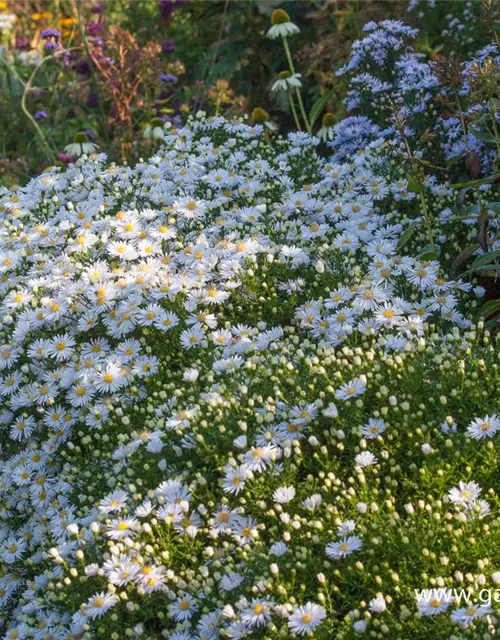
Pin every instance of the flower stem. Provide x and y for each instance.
(294, 111)
(495, 34)
(303, 111)
(462, 120)
(430, 235)
(26, 88)
(299, 96)
(495, 127)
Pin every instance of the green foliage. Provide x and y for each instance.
(222, 57)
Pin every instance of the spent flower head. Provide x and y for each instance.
(282, 26)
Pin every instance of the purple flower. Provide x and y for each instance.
(168, 78)
(82, 66)
(22, 43)
(50, 45)
(92, 100)
(98, 42)
(93, 28)
(65, 158)
(352, 134)
(167, 46)
(38, 94)
(41, 115)
(166, 8)
(383, 39)
(97, 8)
(51, 33)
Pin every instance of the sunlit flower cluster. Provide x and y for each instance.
(233, 399)
(397, 93)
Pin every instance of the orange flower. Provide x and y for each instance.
(45, 15)
(67, 22)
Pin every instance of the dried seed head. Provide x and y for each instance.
(259, 115)
(448, 71)
(328, 120)
(81, 137)
(279, 17)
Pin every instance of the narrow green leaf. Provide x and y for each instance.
(319, 105)
(485, 137)
(428, 253)
(488, 309)
(476, 183)
(405, 237)
(486, 258)
(452, 161)
(414, 186)
(488, 271)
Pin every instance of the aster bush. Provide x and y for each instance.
(239, 400)
(249, 383)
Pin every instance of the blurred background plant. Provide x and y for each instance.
(114, 71)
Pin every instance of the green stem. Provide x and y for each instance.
(462, 120)
(430, 235)
(303, 111)
(288, 54)
(495, 128)
(51, 155)
(294, 111)
(424, 163)
(299, 96)
(495, 35)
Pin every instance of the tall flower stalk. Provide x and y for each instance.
(297, 90)
(282, 27)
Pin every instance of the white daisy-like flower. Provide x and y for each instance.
(282, 26)
(99, 604)
(257, 614)
(326, 132)
(155, 130)
(346, 527)
(113, 502)
(465, 493)
(466, 615)
(80, 146)
(234, 480)
(191, 375)
(377, 604)
(231, 581)
(351, 389)
(278, 549)
(306, 618)
(287, 81)
(486, 427)
(373, 428)
(365, 459)
(434, 604)
(283, 495)
(312, 502)
(183, 608)
(343, 548)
